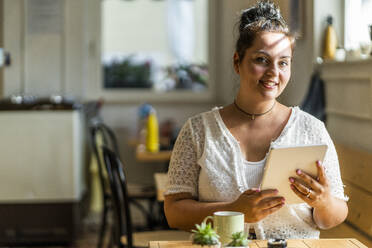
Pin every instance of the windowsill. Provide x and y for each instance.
(353, 70)
(148, 95)
(349, 61)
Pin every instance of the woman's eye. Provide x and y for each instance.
(283, 63)
(261, 60)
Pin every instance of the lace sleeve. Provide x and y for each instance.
(183, 173)
(332, 168)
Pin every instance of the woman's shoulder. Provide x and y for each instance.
(199, 124)
(302, 128)
(302, 117)
(307, 126)
(207, 115)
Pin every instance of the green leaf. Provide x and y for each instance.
(238, 239)
(205, 234)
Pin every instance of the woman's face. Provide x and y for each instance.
(266, 66)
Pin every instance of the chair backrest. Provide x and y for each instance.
(98, 127)
(102, 135)
(117, 179)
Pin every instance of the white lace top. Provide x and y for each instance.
(207, 162)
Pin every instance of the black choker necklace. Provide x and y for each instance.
(253, 116)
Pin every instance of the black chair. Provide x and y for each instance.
(123, 234)
(100, 135)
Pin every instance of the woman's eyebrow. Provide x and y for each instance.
(268, 55)
(265, 53)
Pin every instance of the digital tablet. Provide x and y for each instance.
(282, 163)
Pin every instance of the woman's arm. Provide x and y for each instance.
(332, 214)
(183, 212)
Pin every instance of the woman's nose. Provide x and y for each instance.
(273, 70)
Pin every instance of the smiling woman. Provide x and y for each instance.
(219, 157)
(265, 67)
(158, 49)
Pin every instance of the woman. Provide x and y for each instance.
(218, 159)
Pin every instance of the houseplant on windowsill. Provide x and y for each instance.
(188, 76)
(205, 235)
(238, 239)
(127, 73)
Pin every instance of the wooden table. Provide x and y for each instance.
(161, 180)
(153, 157)
(292, 243)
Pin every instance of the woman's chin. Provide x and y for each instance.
(270, 95)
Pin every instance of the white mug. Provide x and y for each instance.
(226, 223)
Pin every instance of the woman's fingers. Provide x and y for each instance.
(251, 191)
(300, 187)
(301, 194)
(313, 191)
(270, 202)
(265, 193)
(310, 181)
(321, 173)
(268, 211)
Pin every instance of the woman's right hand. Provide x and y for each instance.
(257, 204)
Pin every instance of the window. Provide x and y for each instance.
(358, 18)
(156, 48)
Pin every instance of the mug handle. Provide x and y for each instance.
(208, 218)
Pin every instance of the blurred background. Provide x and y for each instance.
(64, 63)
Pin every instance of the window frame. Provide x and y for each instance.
(93, 76)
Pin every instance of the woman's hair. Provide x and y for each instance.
(264, 16)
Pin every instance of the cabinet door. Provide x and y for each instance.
(42, 156)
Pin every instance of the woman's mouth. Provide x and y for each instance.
(268, 84)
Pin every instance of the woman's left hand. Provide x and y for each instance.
(315, 192)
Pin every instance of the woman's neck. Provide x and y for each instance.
(254, 108)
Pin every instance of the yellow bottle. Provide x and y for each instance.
(152, 137)
(330, 41)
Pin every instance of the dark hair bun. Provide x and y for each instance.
(263, 11)
(263, 16)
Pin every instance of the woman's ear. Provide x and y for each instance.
(236, 62)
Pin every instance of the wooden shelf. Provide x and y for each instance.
(144, 156)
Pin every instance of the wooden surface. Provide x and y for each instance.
(161, 180)
(356, 171)
(157, 157)
(345, 230)
(151, 157)
(299, 243)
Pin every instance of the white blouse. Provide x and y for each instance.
(208, 163)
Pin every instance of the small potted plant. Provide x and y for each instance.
(205, 235)
(238, 239)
